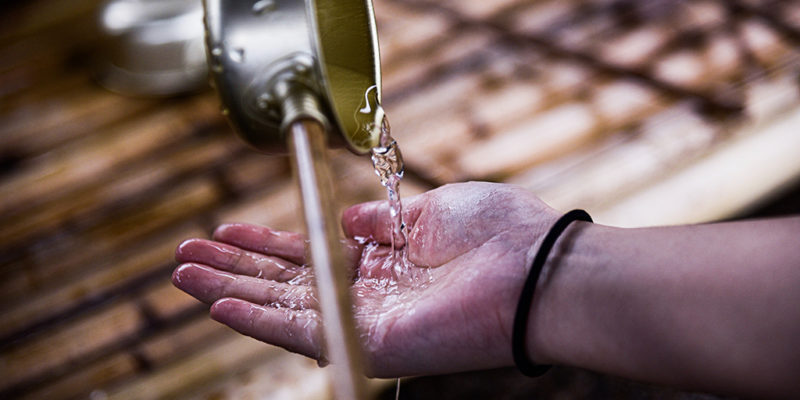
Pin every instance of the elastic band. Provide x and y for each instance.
(518, 342)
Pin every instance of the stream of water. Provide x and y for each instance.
(387, 160)
(388, 163)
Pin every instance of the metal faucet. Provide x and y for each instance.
(300, 72)
(277, 61)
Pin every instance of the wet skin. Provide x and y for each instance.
(473, 241)
(710, 307)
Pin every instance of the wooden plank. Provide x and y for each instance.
(67, 168)
(62, 348)
(716, 63)
(82, 382)
(57, 259)
(634, 48)
(283, 377)
(462, 111)
(62, 118)
(251, 171)
(544, 137)
(139, 180)
(764, 43)
(166, 347)
(275, 206)
(757, 161)
(23, 304)
(173, 345)
(541, 16)
(627, 165)
(433, 62)
(92, 338)
(214, 364)
(165, 302)
(403, 30)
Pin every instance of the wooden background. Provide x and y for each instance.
(641, 112)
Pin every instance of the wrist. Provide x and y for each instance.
(559, 288)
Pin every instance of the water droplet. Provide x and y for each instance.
(216, 61)
(237, 55)
(262, 7)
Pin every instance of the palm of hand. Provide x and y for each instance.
(450, 309)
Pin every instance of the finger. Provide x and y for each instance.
(373, 220)
(288, 245)
(209, 285)
(233, 259)
(352, 250)
(296, 331)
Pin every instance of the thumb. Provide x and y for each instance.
(373, 220)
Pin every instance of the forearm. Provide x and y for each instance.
(707, 307)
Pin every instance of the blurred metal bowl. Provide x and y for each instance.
(152, 47)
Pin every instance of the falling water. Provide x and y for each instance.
(388, 163)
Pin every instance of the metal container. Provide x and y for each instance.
(152, 47)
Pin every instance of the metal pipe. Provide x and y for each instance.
(307, 142)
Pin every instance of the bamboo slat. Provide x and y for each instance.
(154, 353)
(717, 177)
(88, 339)
(61, 349)
(627, 165)
(191, 375)
(182, 342)
(45, 123)
(81, 383)
(139, 181)
(433, 61)
(402, 30)
(68, 167)
(23, 304)
(57, 258)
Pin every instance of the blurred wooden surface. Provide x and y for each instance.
(642, 112)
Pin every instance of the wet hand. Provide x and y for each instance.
(450, 308)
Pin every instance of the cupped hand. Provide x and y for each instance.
(448, 308)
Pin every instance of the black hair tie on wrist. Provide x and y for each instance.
(518, 347)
